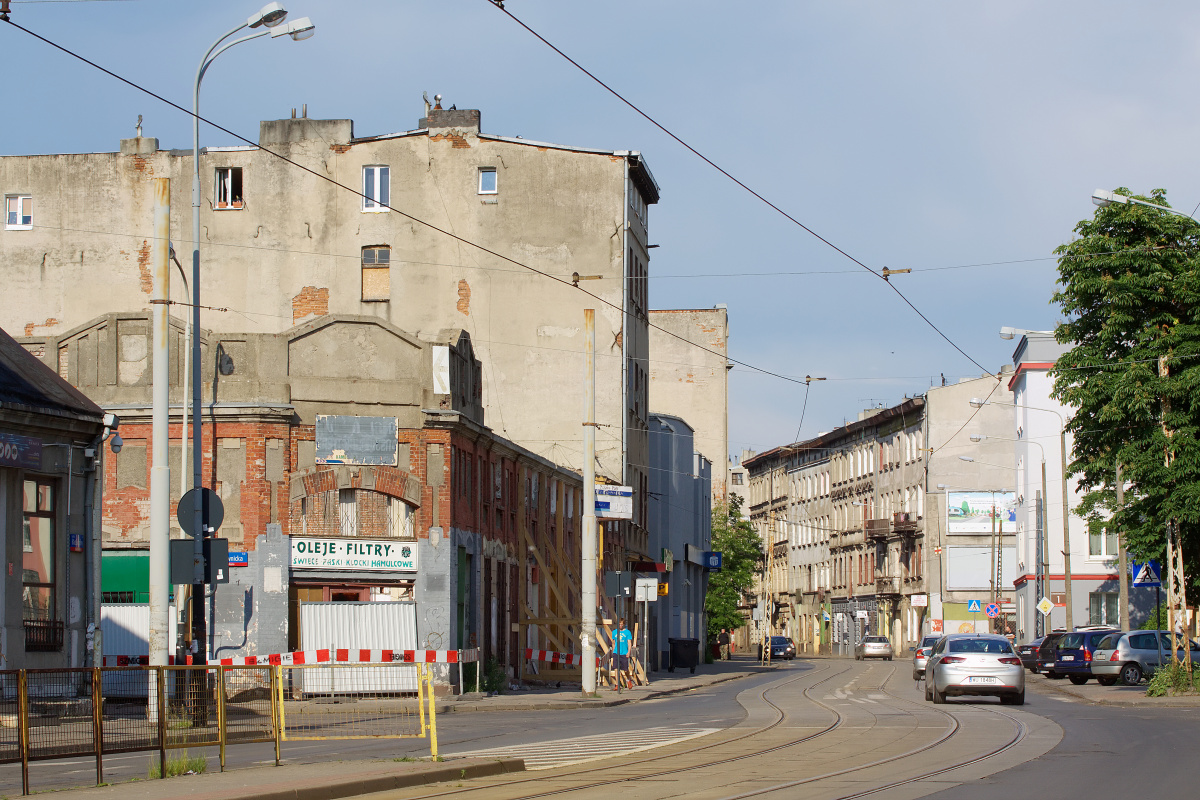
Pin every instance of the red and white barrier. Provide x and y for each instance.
(554, 658)
(331, 656)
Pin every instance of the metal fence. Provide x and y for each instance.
(59, 713)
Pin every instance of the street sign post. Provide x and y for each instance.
(1045, 606)
(974, 607)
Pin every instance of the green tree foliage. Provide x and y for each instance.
(742, 558)
(1129, 289)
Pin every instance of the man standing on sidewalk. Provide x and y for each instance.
(723, 641)
(621, 640)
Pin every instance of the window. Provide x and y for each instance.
(40, 610)
(18, 212)
(1103, 608)
(347, 513)
(487, 180)
(1102, 542)
(376, 194)
(737, 479)
(376, 274)
(400, 519)
(229, 187)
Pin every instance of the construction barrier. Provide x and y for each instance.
(332, 655)
(60, 713)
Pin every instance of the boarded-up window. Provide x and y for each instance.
(376, 274)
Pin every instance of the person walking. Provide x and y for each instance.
(622, 637)
(723, 642)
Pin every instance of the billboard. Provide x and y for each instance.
(972, 512)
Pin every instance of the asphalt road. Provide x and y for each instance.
(1098, 752)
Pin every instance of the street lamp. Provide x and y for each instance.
(269, 17)
(977, 402)
(1105, 198)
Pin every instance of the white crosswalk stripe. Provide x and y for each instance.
(562, 752)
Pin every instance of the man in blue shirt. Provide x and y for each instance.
(622, 637)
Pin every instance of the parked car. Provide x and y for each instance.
(975, 664)
(782, 647)
(873, 647)
(1028, 653)
(1073, 652)
(1129, 657)
(1046, 653)
(921, 655)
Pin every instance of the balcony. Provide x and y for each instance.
(43, 635)
(878, 529)
(888, 585)
(905, 522)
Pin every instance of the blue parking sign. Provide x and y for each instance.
(974, 607)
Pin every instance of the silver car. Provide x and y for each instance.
(873, 647)
(1129, 657)
(921, 655)
(976, 664)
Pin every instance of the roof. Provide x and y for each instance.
(29, 385)
(913, 405)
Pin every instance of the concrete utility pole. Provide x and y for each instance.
(1122, 559)
(160, 471)
(589, 539)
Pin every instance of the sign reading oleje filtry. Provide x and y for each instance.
(378, 555)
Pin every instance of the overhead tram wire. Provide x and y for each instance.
(877, 273)
(449, 234)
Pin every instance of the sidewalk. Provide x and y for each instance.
(1118, 695)
(339, 779)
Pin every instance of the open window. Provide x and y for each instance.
(229, 187)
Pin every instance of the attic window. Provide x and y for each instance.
(376, 274)
(229, 187)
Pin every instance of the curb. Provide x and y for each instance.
(353, 787)
(1142, 702)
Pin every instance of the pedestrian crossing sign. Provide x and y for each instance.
(1146, 574)
(974, 607)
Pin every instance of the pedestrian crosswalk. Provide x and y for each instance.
(561, 752)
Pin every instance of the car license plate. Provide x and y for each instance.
(983, 680)
(1068, 658)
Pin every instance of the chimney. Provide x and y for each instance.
(466, 119)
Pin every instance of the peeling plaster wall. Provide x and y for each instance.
(250, 615)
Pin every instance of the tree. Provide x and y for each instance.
(1129, 287)
(742, 558)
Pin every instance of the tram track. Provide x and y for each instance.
(952, 728)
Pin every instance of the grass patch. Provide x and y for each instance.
(181, 764)
(1171, 680)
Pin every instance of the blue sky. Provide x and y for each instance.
(922, 135)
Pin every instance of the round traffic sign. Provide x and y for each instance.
(992, 610)
(212, 510)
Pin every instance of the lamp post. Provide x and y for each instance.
(269, 17)
(1043, 561)
(977, 402)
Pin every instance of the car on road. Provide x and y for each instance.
(1046, 653)
(921, 655)
(1073, 652)
(1028, 653)
(782, 647)
(873, 647)
(1129, 657)
(975, 664)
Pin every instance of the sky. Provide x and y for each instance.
(959, 140)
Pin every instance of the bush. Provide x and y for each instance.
(494, 677)
(1172, 679)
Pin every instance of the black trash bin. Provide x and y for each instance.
(684, 653)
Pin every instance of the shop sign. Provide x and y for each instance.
(22, 452)
(919, 600)
(375, 555)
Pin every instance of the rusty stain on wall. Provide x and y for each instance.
(340, 148)
(311, 301)
(143, 261)
(29, 326)
(464, 298)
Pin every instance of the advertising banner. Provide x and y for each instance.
(972, 512)
(376, 555)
